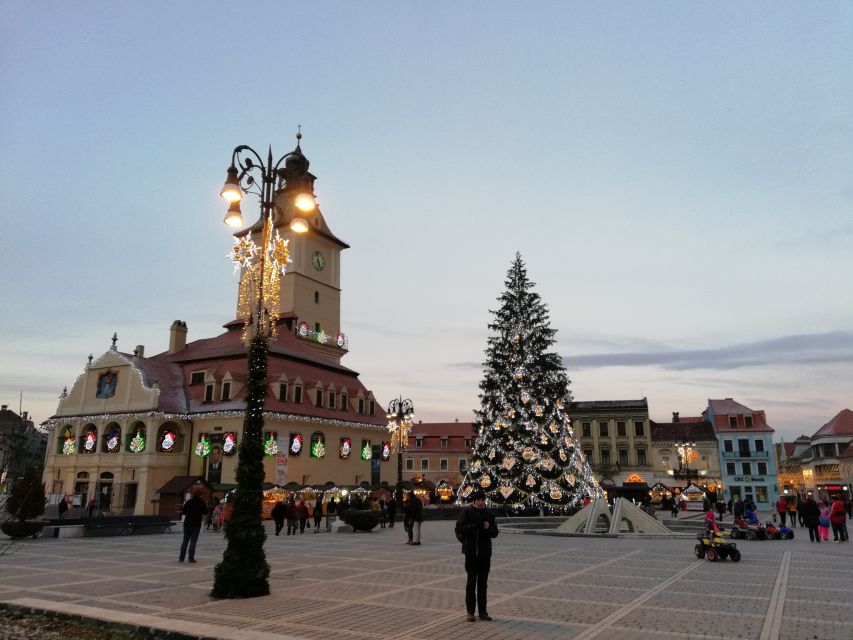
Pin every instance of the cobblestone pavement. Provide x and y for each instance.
(360, 586)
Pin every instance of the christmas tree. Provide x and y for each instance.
(525, 454)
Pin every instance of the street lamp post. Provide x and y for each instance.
(684, 447)
(243, 571)
(400, 415)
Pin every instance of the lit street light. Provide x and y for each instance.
(243, 571)
(400, 415)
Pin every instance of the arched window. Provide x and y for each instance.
(89, 439)
(170, 439)
(111, 439)
(136, 438)
(65, 444)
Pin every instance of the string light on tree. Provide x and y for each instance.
(524, 448)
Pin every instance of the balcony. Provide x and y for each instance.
(746, 455)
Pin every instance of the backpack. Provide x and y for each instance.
(459, 535)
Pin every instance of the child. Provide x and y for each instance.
(711, 523)
(823, 521)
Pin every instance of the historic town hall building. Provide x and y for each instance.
(132, 424)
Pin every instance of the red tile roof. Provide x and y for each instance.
(840, 425)
(726, 408)
(289, 357)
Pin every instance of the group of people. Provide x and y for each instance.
(819, 516)
(298, 512)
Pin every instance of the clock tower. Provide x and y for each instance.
(311, 287)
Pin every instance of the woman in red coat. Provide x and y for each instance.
(838, 519)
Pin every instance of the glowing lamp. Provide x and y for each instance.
(299, 225)
(234, 217)
(231, 189)
(304, 202)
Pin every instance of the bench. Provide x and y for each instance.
(150, 524)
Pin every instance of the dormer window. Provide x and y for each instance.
(344, 402)
(318, 400)
(747, 420)
(361, 405)
(419, 443)
(197, 377)
(297, 394)
(226, 391)
(282, 391)
(733, 422)
(444, 443)
(372, 407)
(332, 400)
(208, 393)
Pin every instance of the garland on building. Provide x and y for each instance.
(525, 453)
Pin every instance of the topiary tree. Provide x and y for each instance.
(26, 501)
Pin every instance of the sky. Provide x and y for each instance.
(678, 178)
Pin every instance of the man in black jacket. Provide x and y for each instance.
(193, 511)
(476, 527)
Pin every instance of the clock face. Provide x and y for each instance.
(318, 261)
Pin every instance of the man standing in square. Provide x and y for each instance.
(475, 528)
(193, 511)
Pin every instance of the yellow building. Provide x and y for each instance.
(131, 423)
(615, 436)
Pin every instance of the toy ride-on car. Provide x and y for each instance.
(777, 533)
(749, 530)
(713, 546)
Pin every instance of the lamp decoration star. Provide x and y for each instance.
(243, 252)
(279, 252)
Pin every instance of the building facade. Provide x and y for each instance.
(747, 456)
(130, 423)
(438, 452)
(685, 451)
(615, 436)
(22, 446)
(820, 464)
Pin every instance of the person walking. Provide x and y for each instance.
(476, 527)
(302, 507)
(331, 509)
(318, 513)
(62, 508)
(810, 513)
(383, 514)
(193, 512)
(793, 506)
(838, 519)
(782, 510)
(218, 515)
(738, 509)
(278, 512)
(823, 520)
(392, 511)
(417, 518)
(721, 510)
(292, 515)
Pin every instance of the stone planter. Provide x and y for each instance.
(17, 529)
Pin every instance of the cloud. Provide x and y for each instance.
(817, 348)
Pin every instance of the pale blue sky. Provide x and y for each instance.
(677, 176)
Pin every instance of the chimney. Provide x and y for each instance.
(177, 336)
(457, 420)
(24, 415)
(139, 352)
(5, 406)
(675, 416)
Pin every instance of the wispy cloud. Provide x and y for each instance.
(817, 348)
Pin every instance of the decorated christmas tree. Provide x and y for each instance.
(525, 454)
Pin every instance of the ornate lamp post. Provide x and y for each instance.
(400, 414)
(684, 448)
(243, 571)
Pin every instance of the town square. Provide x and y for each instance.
(409, 321)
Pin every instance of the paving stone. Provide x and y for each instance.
(358, 587)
